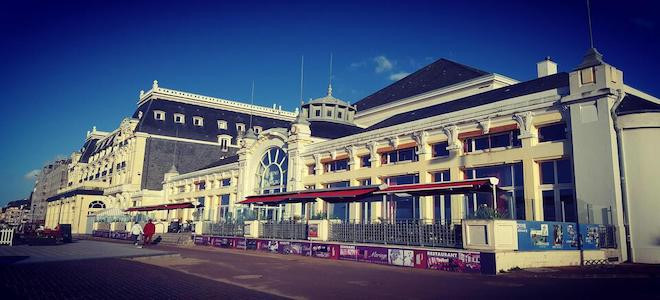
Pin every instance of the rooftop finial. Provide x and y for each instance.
(330, 77)
(155, 85)
(591, 36)
(330, 90)
(93, 128)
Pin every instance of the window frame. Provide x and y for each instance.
(182, 116)
(222, 124)
(159, 115)
(198, 121)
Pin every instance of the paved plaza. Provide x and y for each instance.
(80, 249)
(102, 270)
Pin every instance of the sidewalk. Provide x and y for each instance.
(312, 278)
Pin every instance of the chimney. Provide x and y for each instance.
(546, 67)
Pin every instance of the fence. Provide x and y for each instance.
(7, 237)
(228, 229)
(607, 236)
(415, 232)
(291, 230)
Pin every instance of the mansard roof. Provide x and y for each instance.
(221, 162)
(208, 132)
(439, 74)
(524, 88)
(632, 104)
(332, 130)
(88, 149)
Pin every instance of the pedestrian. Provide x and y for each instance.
(149, 230)
(136, 230)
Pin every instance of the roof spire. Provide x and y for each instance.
(330, 78)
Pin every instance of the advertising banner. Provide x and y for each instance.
(292, 248)
(374, 255)
(199, 240)
(421, 261)
(542, 236)
(221, 242)
(347, 252)
(325, 251)
(251, 244)
(453, 261)
(240, 243)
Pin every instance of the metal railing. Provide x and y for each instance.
(607, 236)
(290, 230)
(414, 232)
(228, 229)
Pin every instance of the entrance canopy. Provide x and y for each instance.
(486, 185)
(346, 194)
(162, 207)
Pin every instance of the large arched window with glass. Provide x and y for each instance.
(272, 171)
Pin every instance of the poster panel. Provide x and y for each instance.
(543, 236)
(454, 261)
(291, 248)
(251, 244)
(325, 250)
(239, 243)
(313, 230)
(420, 259)
(401, 257)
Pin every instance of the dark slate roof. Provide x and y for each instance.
(222, 162)
(503, 93)
(18, 203)
(439, 74)
(332, 130)
(208, 132)
(81, 191)
(88, 149)
(632, 104)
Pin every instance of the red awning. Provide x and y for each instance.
(329, 195)
(162, 207)
(439, 188)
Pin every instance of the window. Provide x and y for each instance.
(179, 118)
(310, 187)
(401, 155)
(442, 203)
(198, 121)
(440, 149)
(223, 212)
(366, 181)
(403, 207)
(257, 129)
(97, 204)
(554, 132)
(329, 113)
(224, 141)
(557, 191)
(272, 173)
(311, 169)
(510, 203)
(365, 161)
(182, 189)
(159, 115)
(226, 182)
(222, 124)
(340, 210)
(338, 115)
(201, 185)
(318, 112)
(337, 165)
(491, 141)
(240, 127)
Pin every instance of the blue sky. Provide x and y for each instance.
(70, 65)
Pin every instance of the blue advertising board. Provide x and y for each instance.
(541, 236)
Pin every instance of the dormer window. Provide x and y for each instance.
(224, 141)
(159, 115)
(318, 112)
(257, 129)
(329, 113)
(240, 127)
(338, 115)
(198, 121)
(179, 118)
(222, 124)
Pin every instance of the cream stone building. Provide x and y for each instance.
(573, 146)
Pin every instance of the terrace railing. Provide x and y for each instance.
(290, 230)
(415, 232)
(228, 229)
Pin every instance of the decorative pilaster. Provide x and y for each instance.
(351, 151)
(524, 121)
(452, 137)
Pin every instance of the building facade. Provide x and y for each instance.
(566, 147)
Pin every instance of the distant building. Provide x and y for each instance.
(16, 212)
(51, 178)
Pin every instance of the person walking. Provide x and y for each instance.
(149, 230)
(136, 230)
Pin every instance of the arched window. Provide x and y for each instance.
(272, 172)
(97, 204)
